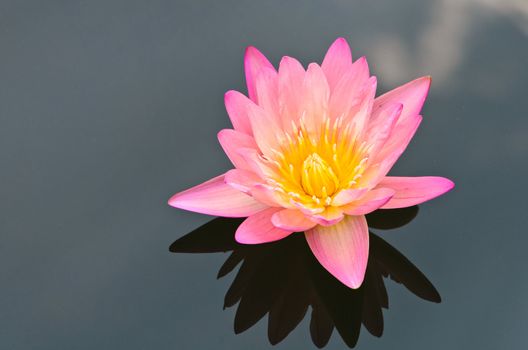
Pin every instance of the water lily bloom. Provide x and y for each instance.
(311, 150)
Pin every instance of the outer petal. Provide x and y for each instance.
(242, 180)
(373, 200)
(384, 160)
(342, 249)
(254, 61)
(411, 95)
(414, 190)
(215, 197)
(231, 141)
(258, 229)
(379, 131)
(337, 61)
(292, 219)
(237, 109)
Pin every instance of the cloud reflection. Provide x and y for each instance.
(285, 281)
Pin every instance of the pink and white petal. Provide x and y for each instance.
(266, 129)
(349, 90)
(242, 180)
(414, 190)
(359, 115)
(401, 135)
(380, 126)
(258, 229)
(256, 163)
(292, 219)
(373, 200)
(316, 94)
(337, 61)
(237, 109)
(306, 209)
(391, 151)
(411, 95)
(231, 141)
(291, 77)
(267, 89)
(346, 196)
(254, 61)
(215, 197)
(329, 216)
(269, 196)
(361, 69)
(377, 170)
(342, 249)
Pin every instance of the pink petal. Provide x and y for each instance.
(373, 200)
(291, 77)
(255, 162)
(237, 109)
(308, 210)
(254, 61)
(342, 249)
(380, 129)
(292, 219)
(414, 190)
(269, 196)
(349, 90)
(231, 141)
(242, 180)
(267, 88)
(392, 150)
(265, 129)
(412, 96)
(329, 216)
(337, 61)
(215, 197)
(258, 229)
(316, 94)
(347, 196)
(360, 115)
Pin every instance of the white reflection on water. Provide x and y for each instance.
(444, 41)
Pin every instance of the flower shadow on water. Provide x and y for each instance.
(283, 279)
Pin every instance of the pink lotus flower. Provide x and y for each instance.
(311, 150)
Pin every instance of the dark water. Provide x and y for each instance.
(109, 107)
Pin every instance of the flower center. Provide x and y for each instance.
(317, 177)
(311, 167)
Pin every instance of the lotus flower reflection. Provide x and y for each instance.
(311, 150)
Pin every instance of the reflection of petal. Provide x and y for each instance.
(284, 278)
(321, 325)
(400, 269)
